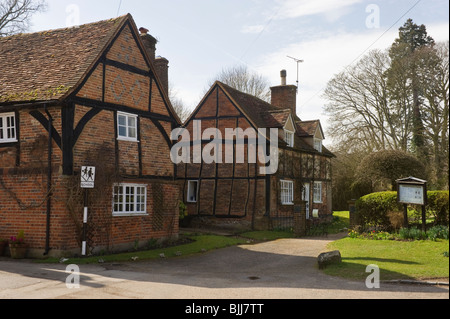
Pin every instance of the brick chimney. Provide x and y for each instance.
(149, 43)
(284, 96)
(162, 69)
(161, 64)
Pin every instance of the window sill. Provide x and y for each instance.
(8, 141)
(129, 214)
(127, 139)
(287, 203)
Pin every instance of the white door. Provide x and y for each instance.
(305, 197)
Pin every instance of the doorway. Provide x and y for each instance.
(305, 197)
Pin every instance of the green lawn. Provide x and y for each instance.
(397, 259)
(201, 243)
(341, 221)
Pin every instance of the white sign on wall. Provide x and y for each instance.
(87, 176)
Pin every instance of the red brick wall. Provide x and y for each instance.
(237, 192)
(220, 193)
(23, 165)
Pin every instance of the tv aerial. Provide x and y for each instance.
(297, 61)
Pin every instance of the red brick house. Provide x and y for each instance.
(239, 193)
(92, 95)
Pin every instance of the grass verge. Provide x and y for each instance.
(201, 243)
(420, 259)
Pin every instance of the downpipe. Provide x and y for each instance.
(49, 178)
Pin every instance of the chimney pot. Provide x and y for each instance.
(284, 96)
(143, 30)
(283, 77)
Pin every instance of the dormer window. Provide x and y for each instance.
(289, 138)
(318, 144)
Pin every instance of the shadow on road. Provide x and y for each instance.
(232, 267)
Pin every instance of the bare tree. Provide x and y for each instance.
(371, 107)
(359, 110)
(179, 106)
(242, 79)
(15, 15)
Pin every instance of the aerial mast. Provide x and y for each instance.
(297, 61)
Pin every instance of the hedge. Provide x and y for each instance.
(438, 206)
(372, 209)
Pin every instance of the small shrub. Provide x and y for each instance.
(353, 234)
(182, 210)
(410, 233)
(437, 232)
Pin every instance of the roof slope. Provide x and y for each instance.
(46, 65)
(265, 115)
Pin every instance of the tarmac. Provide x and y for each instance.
(278, 269)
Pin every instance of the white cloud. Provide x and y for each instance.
(295, 8)
(252, 28)
(439, 32)
(323, 58)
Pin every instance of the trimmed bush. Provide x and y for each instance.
(438, 206)
(379, 209)
(372, 209)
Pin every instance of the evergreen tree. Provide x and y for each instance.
(405, 54)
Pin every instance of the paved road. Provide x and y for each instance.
(280, 269)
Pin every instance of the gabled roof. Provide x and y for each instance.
(277, 118)
(47, 65)
(309, 128)
(50, 65)
(264, 115)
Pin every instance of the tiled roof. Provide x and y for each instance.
(255, 108)
(47, 65)
(277, 118)
(265, 115)
(307, 128)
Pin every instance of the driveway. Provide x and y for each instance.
(280, 269)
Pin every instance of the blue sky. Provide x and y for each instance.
(200, 37)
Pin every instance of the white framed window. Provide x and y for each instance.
(318, 144)
(289, 138)
(129, 199)
(192, 191)
(8, 127)
(287, 192)
(126, 126)
(317, 198)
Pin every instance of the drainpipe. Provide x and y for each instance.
(49, 179)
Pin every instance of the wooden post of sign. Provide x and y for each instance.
(405, 216)
(424, 219)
